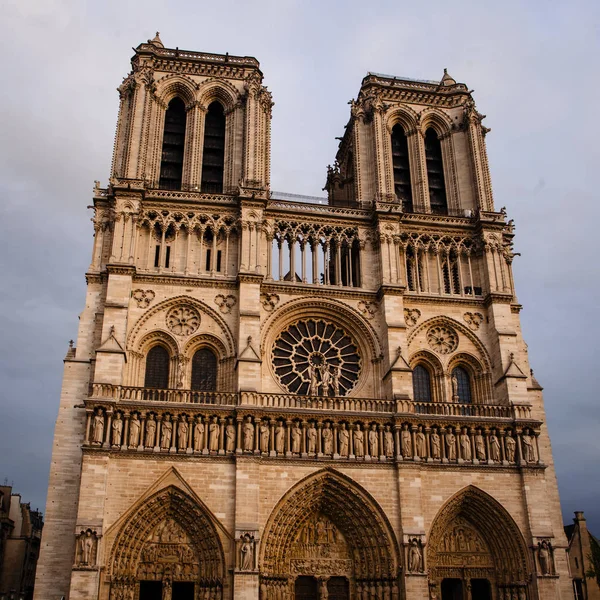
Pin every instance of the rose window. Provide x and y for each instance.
(442, 339)
(183, 320)
(315, 358)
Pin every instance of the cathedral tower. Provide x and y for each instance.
(279, 399)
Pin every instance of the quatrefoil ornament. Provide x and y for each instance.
(225, 303)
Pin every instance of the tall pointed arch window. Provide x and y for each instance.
(204, 371)
(461, 385)
(401, 165)
(435, 173)
(157, 368)
(213, 155)
(171, 166)
(421, 384)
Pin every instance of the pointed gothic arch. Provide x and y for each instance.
(329, 509)
(170, 537)
(473, 537)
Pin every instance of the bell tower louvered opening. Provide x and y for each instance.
(171, 166)
(213, 155)
(435, 173)
(401, 165)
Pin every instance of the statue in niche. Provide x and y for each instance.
(323, 591)
(325, 379)
(406, 442)
(327, 439)
(213, 435)
(450, 445)
(229, 437)
(182, 433)
(336, 375)
(415, 557)
(465, 444)
(198, 434)
(510, 446)
(494, 446)
(435, 444)
(421, 443)
(247, 553)
(248, 434)
(455, 396)
(87, 544)
(98, 431)
(388, 441)
(359, 441)
(313, 385)
(150, 431)
(311, 435)
(280, 438)
(528, 449)
(134, 431)
(296, 438)
(264, 436)
(117, 430)
(373, 441)
(545, 557)
(166, 433)
(479, 446)
(344, 438)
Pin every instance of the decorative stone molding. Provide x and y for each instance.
(225, 303)
(442, 340)
(411, 316)
(143, 297)
(473, 320)
(368, 309)
(269, 301)
(183, 320)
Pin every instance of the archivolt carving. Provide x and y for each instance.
(327, 524)
(438, 120)
(170, 86)
(170, 536)
(219, 90)
(158, 336)
(405, 116)
(472, 530)
(427, 357)
(227, 338)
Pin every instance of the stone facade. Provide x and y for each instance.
(278, 399)
(584, 559)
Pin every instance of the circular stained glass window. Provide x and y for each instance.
(315, 358)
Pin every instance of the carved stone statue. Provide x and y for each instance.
(415, 557)
(311, 435)
(134, 431)
(435, 444)
(280, 438)
(327, 439)
(528, 449)
(150, 431)
(343, 439)
(325, 379)
(373, 441)
(544, 557)
(87, 543)
(182, 433)
(465, 445)
(336, 374)
(388, 440)
(213, 435)
(479, 446)
(264, 436)
(323, 591)
(117, 430)
(450, 445)
(248, 434)
(421, 443)
(166, 433)
(296, 438)
(494, 446)
(406, 442)
(313, 385)
(359, 441)
(198, 435)
(229, 437)
(510, 445)
(455, 396)
(246, 553)
(98, 431)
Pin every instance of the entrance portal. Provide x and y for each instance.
(481, 589)
(452, 589)
(338, 588)
(306, 588)
(150, 590)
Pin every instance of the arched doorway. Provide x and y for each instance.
(328, 538)
(169, 549)
(476, 551)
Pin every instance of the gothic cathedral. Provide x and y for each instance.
(278, 399)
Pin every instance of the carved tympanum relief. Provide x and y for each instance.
(442, 339)
(143, 297)
(461, 545)
(473, 320)
(225, 303)
(183, 320)
(411, 316)
(316, 358)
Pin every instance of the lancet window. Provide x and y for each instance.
(213, 154)
(461, 386)
(321, 256)
(204, 371)
(401, 166)
(171, 166)
(421, 384)
(157, 368)
(435, 173)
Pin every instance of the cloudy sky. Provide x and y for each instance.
(535, 69)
